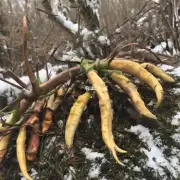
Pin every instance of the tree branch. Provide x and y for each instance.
(12, 84)
(16, 78)
(30, 73)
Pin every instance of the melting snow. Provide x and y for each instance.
(90, 155)
(51, 142)
(162, 48)
(94, 5)
(176, 137)
(103, 40)
(71, 56)
(176, 120)
(166, 67)
(33, 174)
(137, 169)
(141, 20)
(95, 169)
(62, 19)
(156, 159)
(103, 178)
(69, 176)
(176, 71)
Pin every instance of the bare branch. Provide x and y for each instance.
(12, 84)
(16, 78)
(30, 73)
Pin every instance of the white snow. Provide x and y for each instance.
(141, 20)
(62, 19)
(90, 155)
(156, 159)
(95, 168)
(137, 169)
(176, 137)
(176, 71)
(103, 178)
(70, 56)
(94, 171)
(74, 27)
(166, 67)
(162, 48)
(51, 142)
(94, 5)
(33, 174)
(104, 40)
(176, 120)
(86, 34)
(156, 1)
(69, 176)
(118, 30)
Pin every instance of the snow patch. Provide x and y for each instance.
(103, 178)
(90, 155)
(95, 168)
(162, 48)
(156, 1)
(62, 19)
(33, 174)
(141, 20)
(176, 71)
(156, 159)
(104, 40)
(94, 5)
(137, 169)
(51, 142)
(69, 175)
(165, 67)
(94, 171)
(71, 56)
(176, 137)
(176, 120)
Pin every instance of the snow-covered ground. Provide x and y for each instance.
(156, 158)
(92, 156)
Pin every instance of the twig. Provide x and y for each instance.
(41, 10)
(12, 104)
(157, 57)
(48, 35)
(116, 50)
(30, 73)
(47, 72)
(37, 73)
(16, 78)
(133, 16)
(67, 61)
(12, 84)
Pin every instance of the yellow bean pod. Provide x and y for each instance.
(4, 141)
(74, 118)
(20, 151)
(142, 74)
(131, 90)
(106, 113)
(158, 72)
